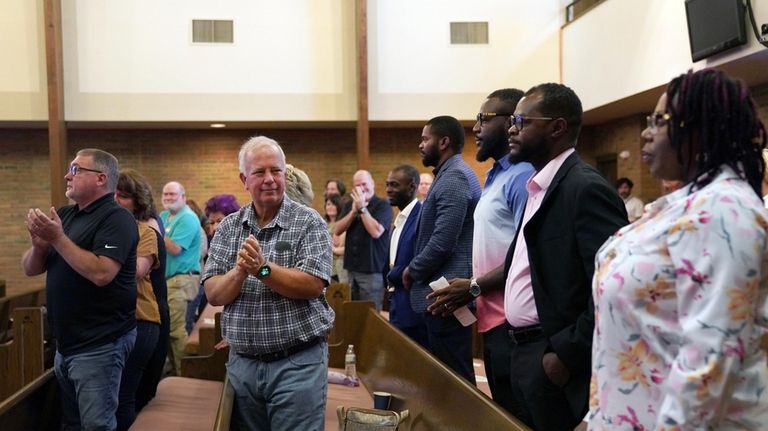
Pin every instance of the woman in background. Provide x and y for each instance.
(134, 194)
(680, 295)
(216, 208)
(332, 209)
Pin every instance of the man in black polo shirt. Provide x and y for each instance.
(365, 219)
(89, 253)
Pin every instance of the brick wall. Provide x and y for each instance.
(205, 161)
(607, 141)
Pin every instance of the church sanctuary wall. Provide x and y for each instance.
(609, 139)
(622, 48)
(135, 61)
(295, 61)
(23, 92)
(205, 161)
(416, 73)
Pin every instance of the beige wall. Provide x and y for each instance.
(416, 74)
(23, 93)
(624, 47)
(135, 61)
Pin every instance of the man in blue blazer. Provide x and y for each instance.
(444, 241)
(402, 183)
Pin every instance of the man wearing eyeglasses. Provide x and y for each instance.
(182, 270)
(444, 239)
(88, 251)
(497, 218)
(570, 211)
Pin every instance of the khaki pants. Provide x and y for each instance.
(182, 288)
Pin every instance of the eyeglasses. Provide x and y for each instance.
(483, 117)
(657, 119)
(74, 169)
(519, 120)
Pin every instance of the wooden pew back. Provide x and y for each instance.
(211, 366)
(36, 406)
(13, 299)
(336, 295)
(21, 360)
(436, 397)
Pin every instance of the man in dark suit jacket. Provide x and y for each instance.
(402, 183)
(571, 210)
(444, 242)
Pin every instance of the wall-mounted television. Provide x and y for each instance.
(714, 26)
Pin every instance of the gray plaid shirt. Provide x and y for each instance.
(260, 320)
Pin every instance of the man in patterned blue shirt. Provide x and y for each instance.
(444, 241)
(269, 264)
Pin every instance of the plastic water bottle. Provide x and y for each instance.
(350, 362)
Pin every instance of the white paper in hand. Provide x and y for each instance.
(462, 314)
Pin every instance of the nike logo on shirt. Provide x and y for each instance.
(109, 246)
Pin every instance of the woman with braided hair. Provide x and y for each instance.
(680, 295)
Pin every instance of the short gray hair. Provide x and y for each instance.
(106, 163)
(254, 143)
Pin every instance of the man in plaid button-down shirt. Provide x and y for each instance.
(269, 264)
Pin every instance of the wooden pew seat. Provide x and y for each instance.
(181, 403)
(347, 396)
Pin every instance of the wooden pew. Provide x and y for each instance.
(30, 396)
(202, 342)
(436, 397)
(211, 366)
(187, 404)
(202, 399)
(10, 299)
(337, 294)
(35, 406)
(21, 359)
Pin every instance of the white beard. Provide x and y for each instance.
(174, 207)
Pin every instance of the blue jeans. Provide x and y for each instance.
(147, 334)
(289, 394)
(367, 286)
(89, 383)
(452, 344)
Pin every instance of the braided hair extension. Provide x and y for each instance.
(716, 117)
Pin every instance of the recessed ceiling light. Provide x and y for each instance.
(218, 125)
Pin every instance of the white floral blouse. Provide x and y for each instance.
(680, 302)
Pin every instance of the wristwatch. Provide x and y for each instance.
(264, 271)
(474, 288)
(362, 210)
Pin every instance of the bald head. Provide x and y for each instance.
(363, 181)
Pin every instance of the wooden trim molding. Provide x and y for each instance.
(57, 128)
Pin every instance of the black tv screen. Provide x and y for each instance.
(714, 26)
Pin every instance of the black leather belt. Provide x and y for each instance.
(526, 334)
(281, 354)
